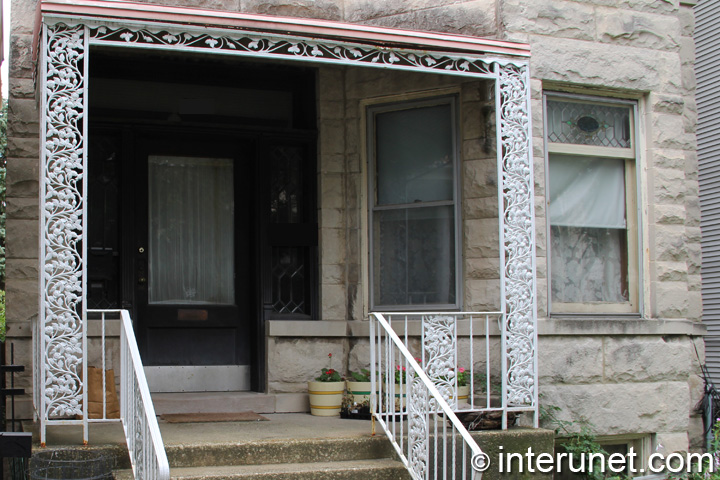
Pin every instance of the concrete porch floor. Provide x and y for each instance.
(299, 426)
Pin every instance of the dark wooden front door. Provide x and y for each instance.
(194, 244)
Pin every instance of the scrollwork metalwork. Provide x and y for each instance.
(63, 146)
(518, 232)
(440, 354)
(257, 45)
(418, 429)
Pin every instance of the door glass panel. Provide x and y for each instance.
(190, 230)
(288, 280)
(286, 184)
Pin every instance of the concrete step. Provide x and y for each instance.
(280, 451)
(378, 469)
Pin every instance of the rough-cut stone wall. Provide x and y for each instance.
(639, 49)
(625, 376)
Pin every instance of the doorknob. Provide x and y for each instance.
(142, 281)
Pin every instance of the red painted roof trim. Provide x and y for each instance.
(300, 27)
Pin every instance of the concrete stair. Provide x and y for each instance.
(351, 457)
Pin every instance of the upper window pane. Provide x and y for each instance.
(414, 155)
(588, 124)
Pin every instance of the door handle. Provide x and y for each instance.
(142, 281)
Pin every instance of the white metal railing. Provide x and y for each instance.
(137, 413)
(416, 394)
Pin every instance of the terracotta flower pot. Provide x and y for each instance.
(326, 398)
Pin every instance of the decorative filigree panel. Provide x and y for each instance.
(440, 354)
(518, 230)
(418, 428)
(300, 49)
(62, 172)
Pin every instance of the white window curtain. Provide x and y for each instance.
(588, 229)
(191, 230)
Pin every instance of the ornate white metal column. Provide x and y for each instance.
(60, 333)
(517, 239)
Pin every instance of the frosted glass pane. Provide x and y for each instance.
(191, 230)
(414, 155)
(414, 256)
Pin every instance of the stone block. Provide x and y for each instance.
(22, 88)
(482, 268)
(475, 18)
(20, 61)
(670, 271)
(672, 104)
(646, 359)
(620, 27)
(558, 19)
(570, 360)
(21, 300)
(22, 239)
(480, 178)
(669, 185)
(614, 409)
(692, 212)
(225, 5)
(22, 269)
(605, 65)
(694, 311)
(332, 190)
(331, 109)
(332, 218)
(482, 295)
(686, 17)
(333, 302)
(672, 159)
(22, 178)
(285, 369)
(323, 9)
(22, 19)
(23, 147)
(23, 117)
(479, 148)
(332, 274)
(672, 442)
(353, 192)
(473, 120)
(671, 299)
(332, 137)
(25, 208)
(332, 246)
(331, 83)
(332, 163)
(359, 357)
(668, 132)
(670, 214)
(486, 207)
(482, 238)
(694, 283)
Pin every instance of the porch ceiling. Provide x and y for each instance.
(133, 12)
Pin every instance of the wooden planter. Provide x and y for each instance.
(326, 398)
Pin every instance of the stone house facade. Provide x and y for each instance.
(625, 359)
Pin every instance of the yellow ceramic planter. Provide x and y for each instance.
(326, 398)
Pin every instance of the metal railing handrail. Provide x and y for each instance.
(429, 384)
(135, 400)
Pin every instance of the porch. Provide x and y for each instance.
(288, 446)
(244, 234)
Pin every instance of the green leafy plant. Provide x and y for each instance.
(362, 376)
(2, 315)
(329, 374)
(481, 383)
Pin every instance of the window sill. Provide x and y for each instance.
(593, 324)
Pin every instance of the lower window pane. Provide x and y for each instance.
(414, 256)
(588, 264)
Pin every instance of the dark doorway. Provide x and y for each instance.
(202, 218)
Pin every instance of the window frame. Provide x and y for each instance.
(633, 245)
(371, 111)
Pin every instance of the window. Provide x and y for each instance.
(592, 190)
(413, 204)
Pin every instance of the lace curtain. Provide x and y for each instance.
(191, 230)
(588, 229)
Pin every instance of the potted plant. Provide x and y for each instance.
(463, 384)
(400, 387)
(359, 386)
(326, 393)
